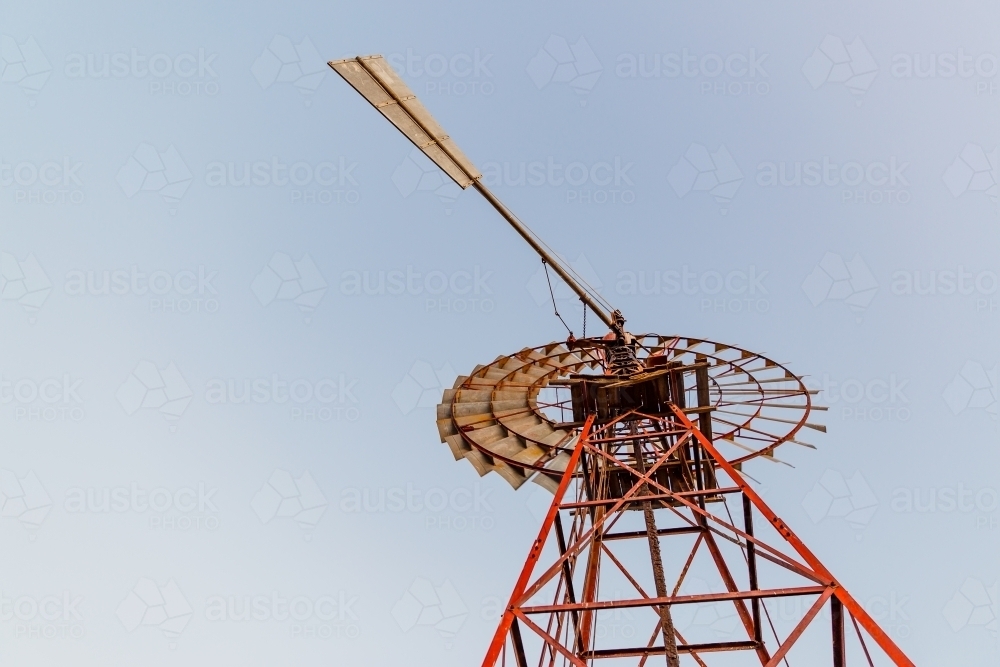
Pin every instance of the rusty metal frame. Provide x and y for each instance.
(572, 619)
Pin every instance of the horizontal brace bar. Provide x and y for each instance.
(678, 599)
(681, 648)
(644, 534)
(658, 496)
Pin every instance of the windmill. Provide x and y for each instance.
(642, 440)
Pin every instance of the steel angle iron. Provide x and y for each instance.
(642, 440)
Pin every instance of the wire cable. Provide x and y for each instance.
(552, 294)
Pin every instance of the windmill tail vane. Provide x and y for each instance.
(642, 440)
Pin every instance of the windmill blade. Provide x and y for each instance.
(375, 79)
(378, 83)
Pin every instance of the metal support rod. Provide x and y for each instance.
(666, 620)
(546, 256)
(590, 583)
(837, 616)
(515, 639)
(752, 567)
(567, 570)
